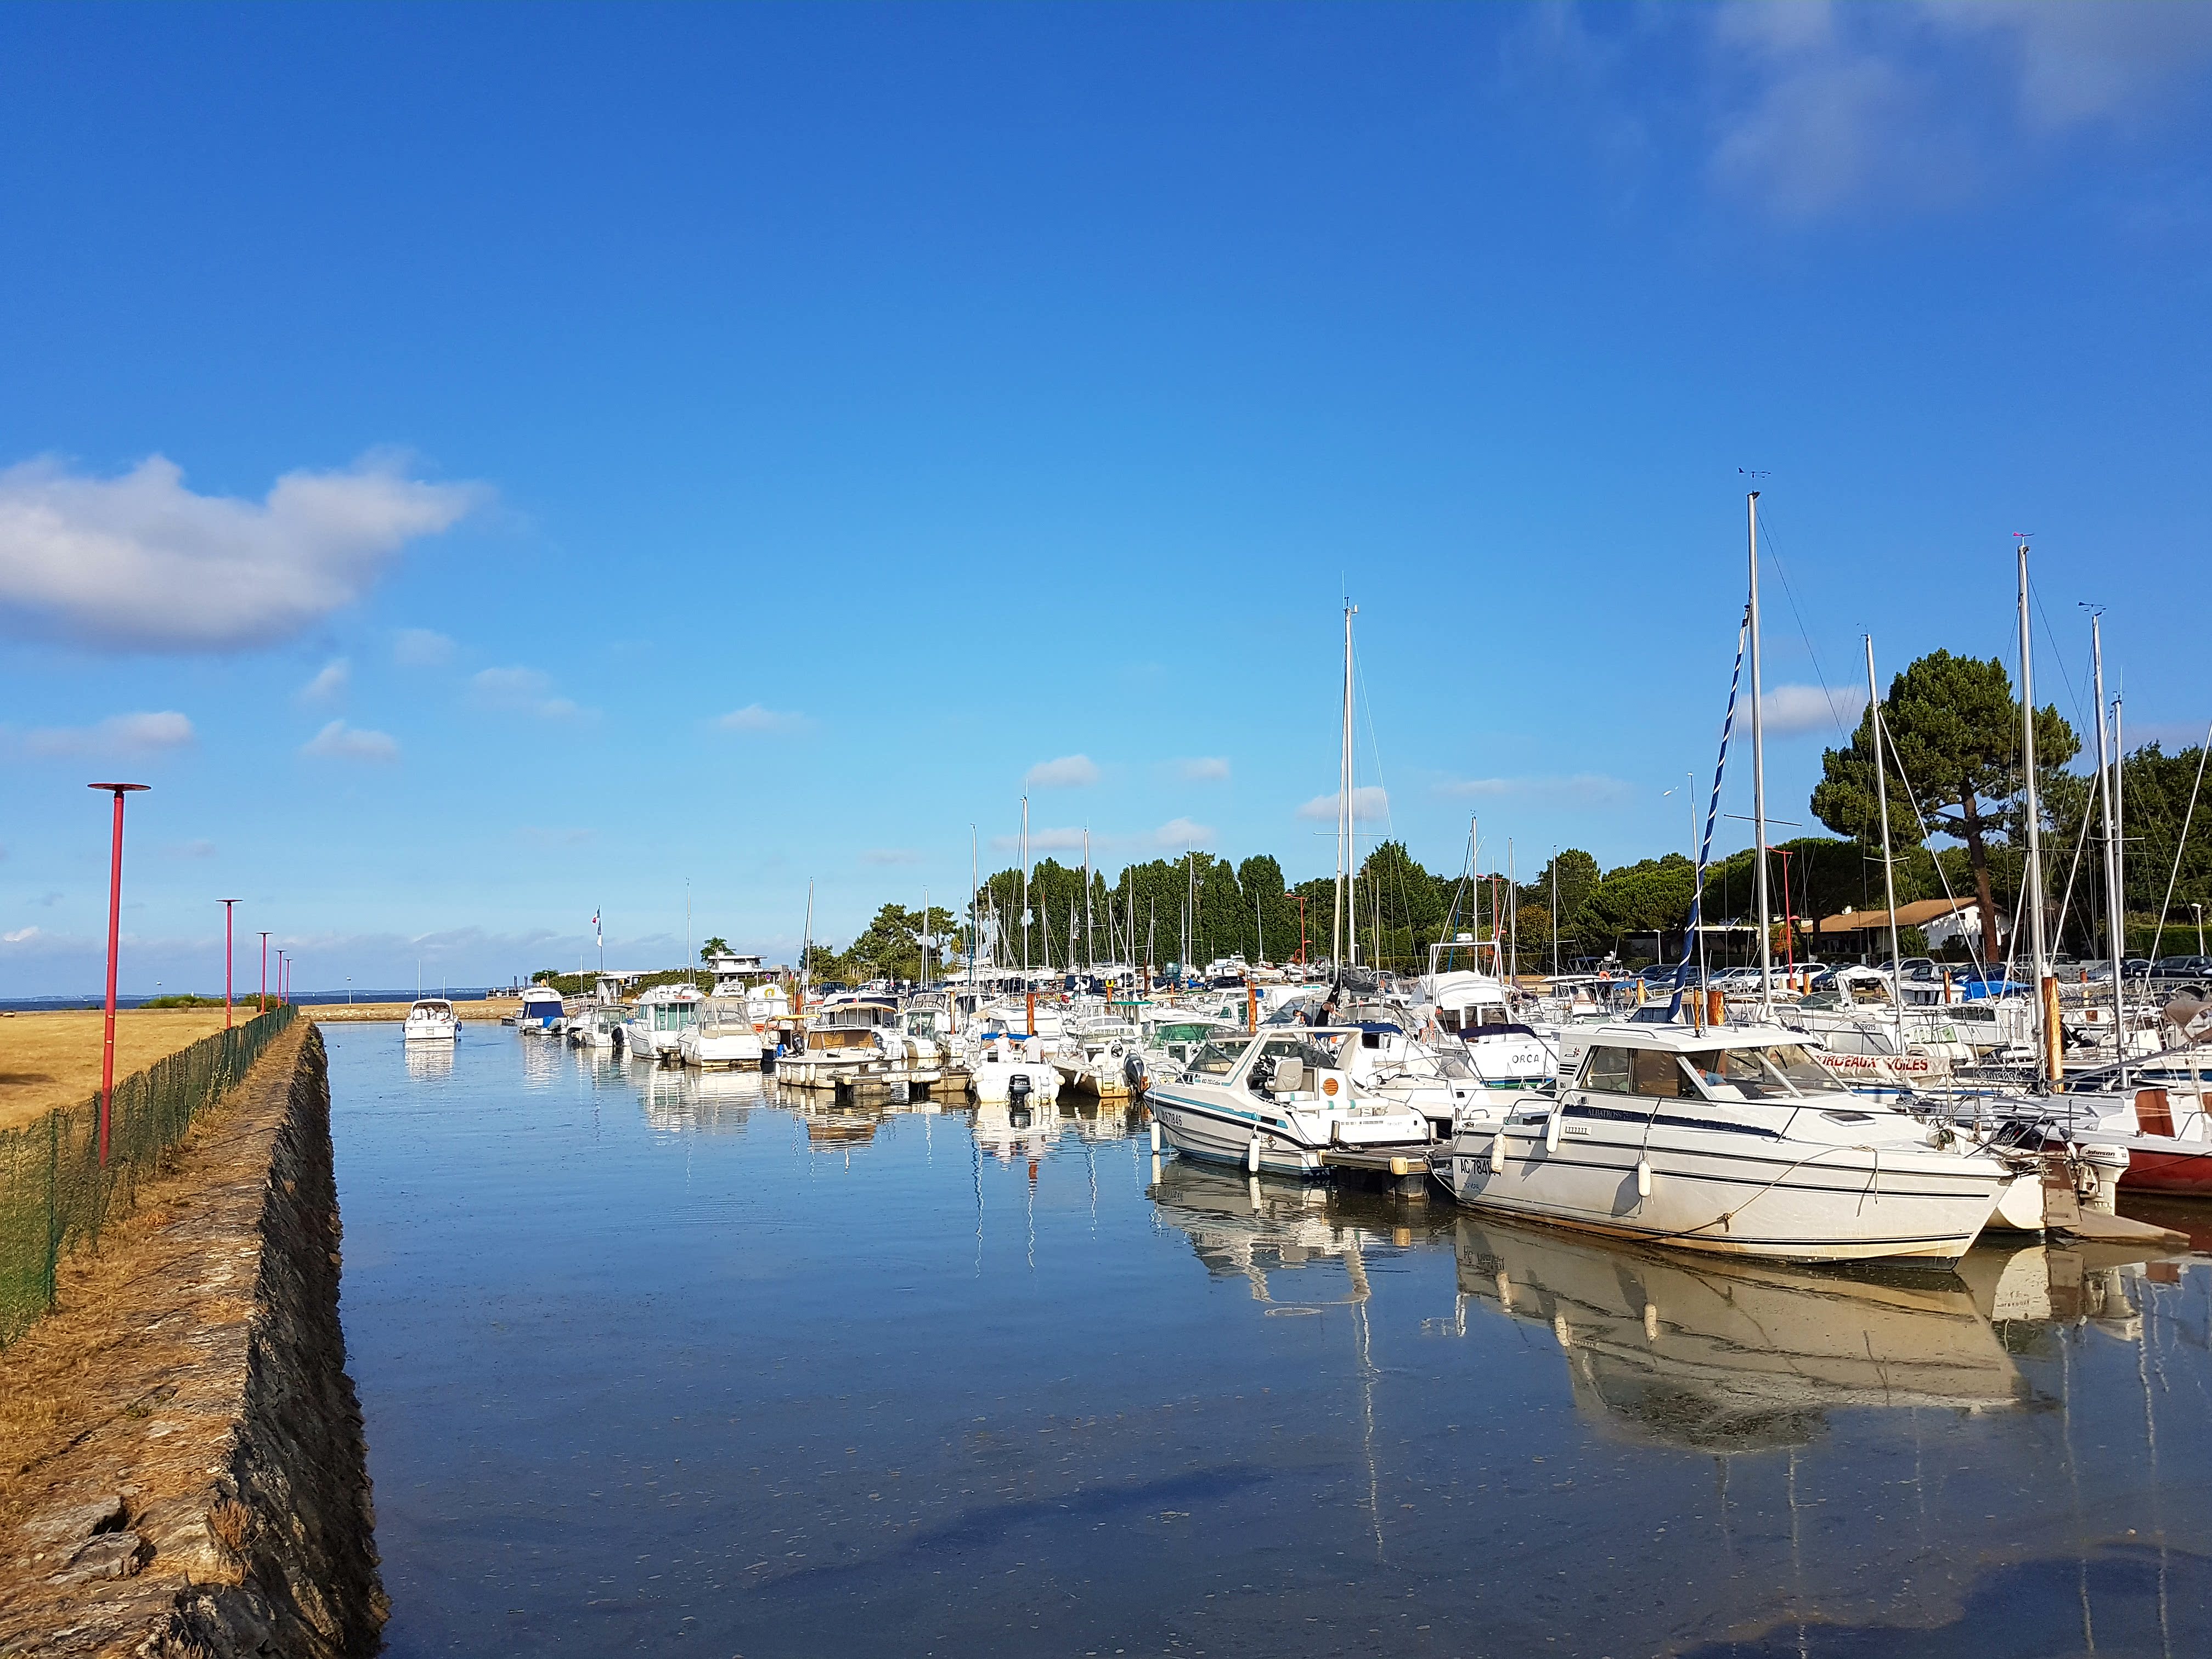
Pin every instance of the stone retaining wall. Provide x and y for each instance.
(182, 1470)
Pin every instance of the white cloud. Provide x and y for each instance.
(1182, 832)
(1068, 772)
(1876, 103)
(891, 855)
(2075, 63)
(1580, 789)
(140, 562)
(329, 684)
(753, 717)
(117, 735)
(1202, 769)
(338, 741)
(422, 648)
(1370, 802)
(1177, 833)
(20, 936)
(1055, 840)
(521, 691)
(1790, 709)
(1809, 111)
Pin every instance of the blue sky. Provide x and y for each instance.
(482, 465)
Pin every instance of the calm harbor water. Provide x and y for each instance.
(654, 1363)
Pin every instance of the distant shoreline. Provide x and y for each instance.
(247, 996)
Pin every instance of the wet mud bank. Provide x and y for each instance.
(182, 1467)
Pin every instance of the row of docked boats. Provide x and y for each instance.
(1804, 1132)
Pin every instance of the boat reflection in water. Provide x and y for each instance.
(831, 1126)
(1010, 1132)
(1735, 1355)
(1244, 1227)
(1094, 1119)
(429, 1063)
(685, 1101)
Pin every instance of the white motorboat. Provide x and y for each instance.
(657, 1020)
(1095, 1055)
(1172, 1035)
(1003, 1069)
(1731, 1139)
(722, 1037)
(431, 1019)
(543, 1014)
(1383, 1059)
(1278, 1101)
(593, 1024)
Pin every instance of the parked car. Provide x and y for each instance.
(1918, 968)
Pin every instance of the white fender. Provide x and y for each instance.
(1644, 1177)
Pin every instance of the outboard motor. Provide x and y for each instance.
(1017, 1100)
(1133, 1069)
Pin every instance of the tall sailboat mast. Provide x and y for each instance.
(1025, 883)
(2115, 902)
(807, 948)
(1888, 872)
(1759, 781)
(1343, 802)
(2047, 1060)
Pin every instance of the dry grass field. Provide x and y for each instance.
(49, 1060)
(491, 1009)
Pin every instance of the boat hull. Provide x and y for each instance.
(1787, 1201)
(1222, 1134)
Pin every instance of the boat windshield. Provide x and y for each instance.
(1309, 1056)
(1454, 1068)
(1782, 1071)
(1217, 1059)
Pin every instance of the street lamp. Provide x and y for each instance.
(265, 971)
(227, 904)
(114, 936)
(1788, 917)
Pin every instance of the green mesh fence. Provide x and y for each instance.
(54, 1195)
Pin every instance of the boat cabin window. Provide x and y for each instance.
(1606, 1071)
(1649, 1073)
(1656, 1074)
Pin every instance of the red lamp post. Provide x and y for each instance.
(227, 904)
(1789, 914)
(114, 937)
(265, 971)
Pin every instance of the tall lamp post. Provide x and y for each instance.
(2200, 928)
(1789, 914)
(227, 904)
(114, 936)
(265, 971)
